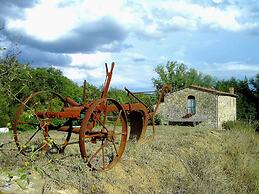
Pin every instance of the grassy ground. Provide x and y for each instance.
(180, 160)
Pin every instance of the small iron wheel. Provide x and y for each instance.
(103, 134)
(32, 133)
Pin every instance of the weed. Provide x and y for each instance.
(180, 160)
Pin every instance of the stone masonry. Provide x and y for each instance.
(211, 106)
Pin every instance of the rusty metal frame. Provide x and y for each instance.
(136, 114)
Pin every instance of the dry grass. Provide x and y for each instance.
(180, 160)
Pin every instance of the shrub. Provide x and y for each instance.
(158, 120)
(240, 125)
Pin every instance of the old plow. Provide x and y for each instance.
(101, 125)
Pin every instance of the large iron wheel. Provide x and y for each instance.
(32, 133)
(103, 134)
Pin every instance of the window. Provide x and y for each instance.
(191, 105)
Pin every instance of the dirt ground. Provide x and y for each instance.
(179, 160)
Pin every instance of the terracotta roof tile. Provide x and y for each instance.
(217, 92)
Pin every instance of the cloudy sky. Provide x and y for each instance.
(216, 37)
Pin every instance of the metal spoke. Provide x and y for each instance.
(53, 142)
(120, 133)
(98, 150)
(32, 136)
(105, 113)
(100, 121)
(73, 142)
(116, 122)
(115, 148)
(103, 155)
(27, 117)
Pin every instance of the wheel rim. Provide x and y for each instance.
(31, 133)
(107, 119)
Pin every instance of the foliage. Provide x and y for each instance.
(149, 100)
(119, 95)
(158, 120)
(179, 160)
(13, 84)
(246, 100)
(240, 125)
(180, 76)
(19, 80)
(92, 92)
(255, 83)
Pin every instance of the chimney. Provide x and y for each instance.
(231, 90)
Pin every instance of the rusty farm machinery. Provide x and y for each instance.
(101, 125)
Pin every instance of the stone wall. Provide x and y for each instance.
(226, 109)
(174, 107)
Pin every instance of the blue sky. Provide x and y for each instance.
(216, 37)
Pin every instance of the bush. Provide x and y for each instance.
(240, 125)
(158, 120)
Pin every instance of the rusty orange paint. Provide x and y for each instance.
(104, 122)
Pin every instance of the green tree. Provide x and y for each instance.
(255, 83)
(13, 86)
(180, 76)
(246, 102)
(17, 81)
(52, 79)
(119, 95)
(92, 92)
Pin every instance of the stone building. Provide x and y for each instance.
(195, 104)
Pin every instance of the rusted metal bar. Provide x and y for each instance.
(144, 92)
(71, 112)
(71, 102)
(165, 89)
(84, 93)
(130, 93)
(108, 79)
(103, 122)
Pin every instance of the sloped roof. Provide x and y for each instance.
(213, 91)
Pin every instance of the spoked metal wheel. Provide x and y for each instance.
(103, 134)
(32, 133)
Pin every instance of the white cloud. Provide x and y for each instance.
(78, 74)
(129, 76)
(48, 21)
(133, 76)
(212, 16)
(74, 73)
(180, 22)
(231, 69)
(134, 57)
(238, 66)
(218, 1)
(92, 60)
(45, 21)
(90, 67)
